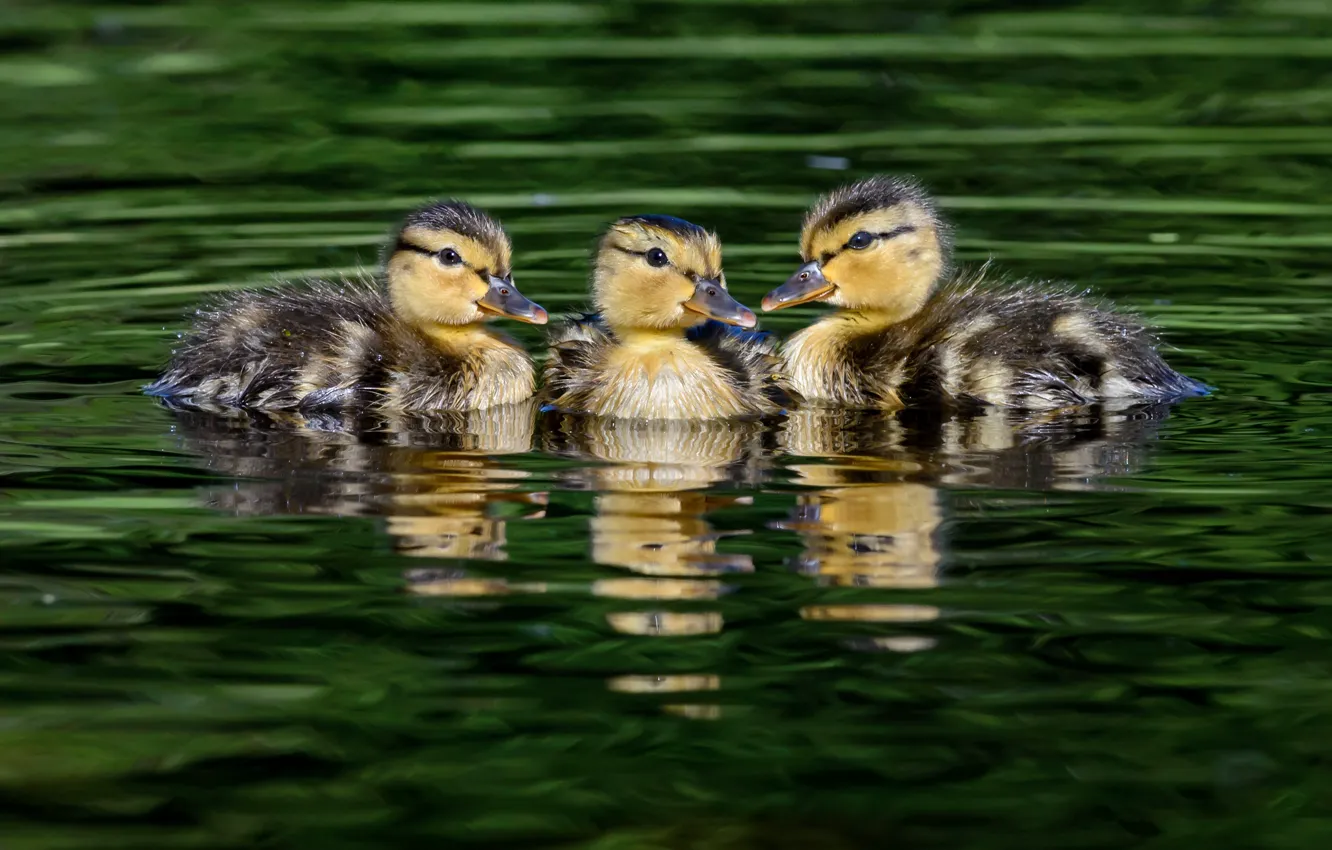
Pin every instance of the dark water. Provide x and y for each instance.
(1103, 631)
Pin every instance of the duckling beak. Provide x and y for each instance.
(712, 300)
(807, 284)
(504, 299)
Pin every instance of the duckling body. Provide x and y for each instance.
(660, 348)
(1027, 346)
(413, 340)
(322, 345)
(878, 250)
(713, 372)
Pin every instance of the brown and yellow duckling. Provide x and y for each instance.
(660, 347)
(412, 339)
(907, 333)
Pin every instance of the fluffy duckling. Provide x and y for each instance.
(905, 333)
(658, 348)
(413, 340)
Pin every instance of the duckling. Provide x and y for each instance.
(661, 348)
(906, 333)
(412, 339)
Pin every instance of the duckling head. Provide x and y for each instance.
(660, 273)
(450, 266)
(874, 246)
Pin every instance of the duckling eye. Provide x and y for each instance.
(860, 241)
(657, 258)
(449, 257)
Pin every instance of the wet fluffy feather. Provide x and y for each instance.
(324, 345)
(716, 371)
(1020, 345)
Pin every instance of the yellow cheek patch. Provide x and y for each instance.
(850, 267)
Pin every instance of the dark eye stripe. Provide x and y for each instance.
(694, 276)
(643, 254)
(888, 234)
(404, 245)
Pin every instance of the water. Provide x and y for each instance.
(509, 631)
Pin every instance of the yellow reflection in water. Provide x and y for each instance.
(873, 518)
(434, 478)
(665, 623)
(864, 526)
(663, 684)
(640, 588)
(650, 514)
(650, 519)
(988, 447)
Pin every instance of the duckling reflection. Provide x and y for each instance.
(988, 447)
(650, 520)
(432, 476)
(650, 511)
(866, 527)
(874, 519)
(863, 532)
(659, 455)
(673, 686)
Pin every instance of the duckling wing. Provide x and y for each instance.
(312, 346)
(572, 373)
(751, 361)
(1034, 346)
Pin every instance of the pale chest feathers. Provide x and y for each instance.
(665, 382)
(503, 375)
(474, 372)
(821, 370)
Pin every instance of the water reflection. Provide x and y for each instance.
(434, 478)
(660, 455)
(864, 526)
(873, 517)
(989, 447)
(650, 508)
(650, 519)
(671, 685)
(869, 512)
(446, 490)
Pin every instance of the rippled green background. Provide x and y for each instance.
(1114, 636)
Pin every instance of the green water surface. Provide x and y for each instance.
(1097, 632)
